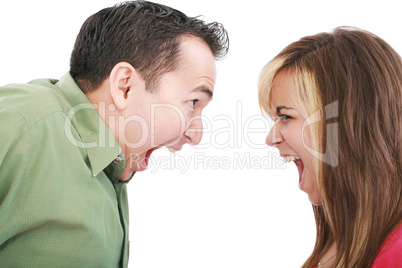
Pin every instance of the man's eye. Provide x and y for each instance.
(192, 102)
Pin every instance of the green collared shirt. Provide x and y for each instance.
(62, 203)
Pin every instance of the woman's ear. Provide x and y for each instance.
(121, 81)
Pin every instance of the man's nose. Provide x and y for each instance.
(194, 130)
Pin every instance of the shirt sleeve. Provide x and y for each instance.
(14, 160)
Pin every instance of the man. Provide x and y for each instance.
(141, 74)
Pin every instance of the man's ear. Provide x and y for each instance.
(121, 80)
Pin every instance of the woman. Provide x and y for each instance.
(336, 99)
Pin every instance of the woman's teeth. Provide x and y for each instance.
(287, 159)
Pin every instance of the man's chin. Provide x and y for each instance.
(144, 161)
(140, 162)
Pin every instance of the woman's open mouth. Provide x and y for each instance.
(299, 164)
(300, 168)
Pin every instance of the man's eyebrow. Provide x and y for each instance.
(279, 108)
(205, 90)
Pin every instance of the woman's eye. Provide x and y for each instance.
(284, 117)
(192, 102)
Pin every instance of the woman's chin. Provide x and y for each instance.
(313, 195)
(315, 199)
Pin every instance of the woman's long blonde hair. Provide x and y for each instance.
(356, 77)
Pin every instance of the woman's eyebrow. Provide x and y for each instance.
(279, 108)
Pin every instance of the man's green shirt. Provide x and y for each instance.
(62, 203)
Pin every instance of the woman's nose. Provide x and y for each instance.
(274, 136)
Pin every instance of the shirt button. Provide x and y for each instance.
(117, 160)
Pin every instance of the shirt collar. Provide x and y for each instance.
(115, 169)
(99, 142)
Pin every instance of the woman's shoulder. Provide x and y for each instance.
(390, 254)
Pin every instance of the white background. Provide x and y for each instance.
(233, 216)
